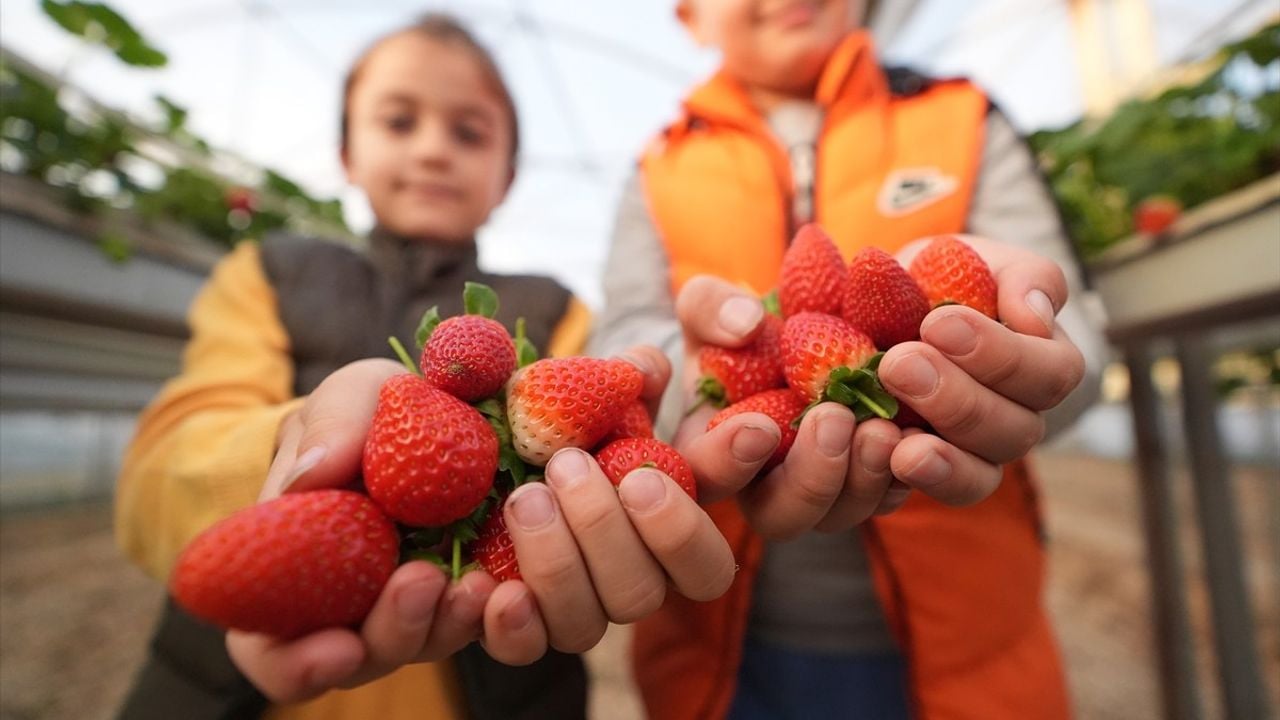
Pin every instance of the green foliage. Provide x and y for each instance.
(97, 23)
(1193, 142)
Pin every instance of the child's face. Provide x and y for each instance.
(428, 139)
(779, 45)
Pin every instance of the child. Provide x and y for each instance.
(932, 611)
(278, 365)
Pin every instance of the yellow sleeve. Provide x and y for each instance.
(203, 446)
(569, 337)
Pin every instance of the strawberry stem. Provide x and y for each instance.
(404, 356)
(872, 404)
(457, 557)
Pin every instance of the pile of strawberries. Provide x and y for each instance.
(829, 323)
(478, 416)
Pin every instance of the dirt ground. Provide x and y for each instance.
(75, 617)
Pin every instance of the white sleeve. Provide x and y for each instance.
(1012, 204)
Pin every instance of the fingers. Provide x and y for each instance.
(628, 581)
(398, 625)
(286, 457)
(712, 310)
(800, 492)
(728, 457)
(1031, 291)
(513, 630)
(335, 421)
(867, 479)
(681, 536)
(554, 570)
(655, 366)
(459, 617)
(958, 407)
(296, 670)
(1031, 371)
(943, 471)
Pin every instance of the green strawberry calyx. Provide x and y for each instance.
(479, 299)
(710, 392)
(858, 389)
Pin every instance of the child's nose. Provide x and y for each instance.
(431, 143)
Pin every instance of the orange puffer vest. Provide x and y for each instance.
(961, 587)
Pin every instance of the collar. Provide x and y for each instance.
(417, 262)
(851, 77)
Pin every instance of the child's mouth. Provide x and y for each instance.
(788, 15)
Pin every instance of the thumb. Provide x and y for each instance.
(335, 421)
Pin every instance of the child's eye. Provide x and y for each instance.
(399, 124)
(470, 135)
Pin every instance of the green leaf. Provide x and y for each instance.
(426, 326)
(404, 356)
(116, 246)
(478, 299)
(772, 304)
(98, 23)
(526, 353)
(424, 537)
(175, 115)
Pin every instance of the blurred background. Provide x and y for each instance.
(140, 139)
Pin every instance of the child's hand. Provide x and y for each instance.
(592, 554)
(837, 472)
(418, 617)
(980, 384)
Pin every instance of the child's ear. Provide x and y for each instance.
(344, 155)
(688, 17)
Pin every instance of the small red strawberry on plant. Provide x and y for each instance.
(291, 566)
(783, 406)
(622, 456)
(568, 402)
(952, 273)
(469, 356)
(882, 300)
(635, 422)
(813, 274)
(429, 458)
(732, 374)
(827, 359)
(1156, 213)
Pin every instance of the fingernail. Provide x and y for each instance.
(531, 506)
(893, 498)
(640, 362)
(914, 375)
(517, 614)
(416, 602)
(753, 443)
(1042, 307)
(740, 315)
(566, 468)
(305, 462)
(931, 470)
(874, 454)
(834, 432)
(642, 490)
(953, 335)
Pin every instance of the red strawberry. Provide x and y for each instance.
(493, 548)
(469, 357)
(429, 458)
(1156, 213)
(826, 358)
(568, 402)
(731, 374)
(952, 273)
(782, 406)
(813, 274)
(882, 300)
(635, 422)
(291, 566)
(622, 456)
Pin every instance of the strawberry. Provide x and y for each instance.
(782, 406)
(826, 358)
(568, 402)
(429, 458)
(882, 300)
(813, 274)
(952, 273)
(469, 356)
(731, 374)
(635, 422)
(290, 566)
(1156, 213)
(622, 456)
(493, 549)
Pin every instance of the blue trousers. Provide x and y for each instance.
(782, 684)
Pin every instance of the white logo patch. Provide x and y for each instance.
(910, 189)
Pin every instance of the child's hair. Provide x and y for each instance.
(443, 28)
